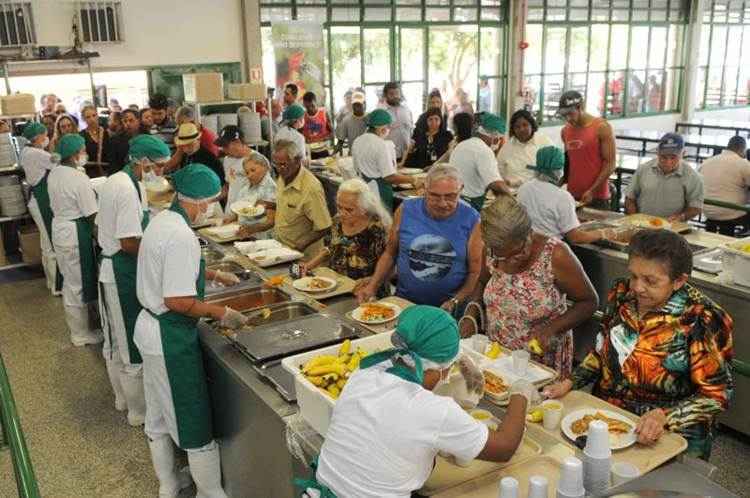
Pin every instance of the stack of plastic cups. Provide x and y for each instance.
(570, 484)
(597, 458)
(508, 488)
(538, 487)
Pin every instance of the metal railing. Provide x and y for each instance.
(14, 439)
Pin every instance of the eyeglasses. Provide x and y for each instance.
(450, 198)
(517, 255)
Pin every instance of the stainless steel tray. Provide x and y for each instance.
(275, 341)
(248, 299)
(709, 260)
(281, 380)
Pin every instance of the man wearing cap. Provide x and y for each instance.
(317, 126)
(551, 209)
(726, 178)
(591, 150)
(123, 214)
(36, 163)
(190, 150)
(375, 160)
(292, 120)
(186, 114)
(302, 217)
(353, 124)
(170, 286)
(73, 204)
(389, 425)
(666, 186)
(474, 156)
(163, 125)
(402, 122)
(231, 141)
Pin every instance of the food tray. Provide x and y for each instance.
(634, 220)
(388, 326)
(709, 261)
(539, 375)
(344, 284)
(280, 256)
(447, 476)
(209, 234)
(315, 407)
(736, 262)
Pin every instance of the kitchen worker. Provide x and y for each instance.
(123, 214)
(37, 163)
(292, 120)
(73, 204)
(388, 425)
(666, 186)
(170, 283)
(375, 158)
(231, 141)
(474, 156)
(591, 150)
(302, 219)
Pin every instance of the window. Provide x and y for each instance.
(456, 46)
(625, 56)
(723, 76)
(16, 26)
(99, 21)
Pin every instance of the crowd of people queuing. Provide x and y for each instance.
(501, 267)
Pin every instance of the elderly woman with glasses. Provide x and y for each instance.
(525, 285)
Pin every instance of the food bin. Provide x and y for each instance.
(736, 261)
(315, 406)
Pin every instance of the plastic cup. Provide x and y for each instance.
(552, 410)
(623, 472)
(597, 442)
(479, 343)
(520, 362)
(538, 487)
(508, 488)
(570, 483)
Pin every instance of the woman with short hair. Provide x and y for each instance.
(521, 149)
(259, 189)
(428, 143)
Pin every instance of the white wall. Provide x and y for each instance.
(156, 32)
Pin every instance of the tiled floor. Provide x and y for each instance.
(81, 447)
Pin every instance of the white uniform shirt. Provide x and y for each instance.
(726, 177)
(373, 157)
(35, 163)
(168, 266)
(70, 194)
(236, 179)
(385, 433)
(477, 165)
(289, 133)
(515, 155)
(552, 210)
(120, 216)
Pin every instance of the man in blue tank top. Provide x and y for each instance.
(435, 243)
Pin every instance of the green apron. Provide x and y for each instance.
(184, 362)
(385, 190)
(41, 194)
(88, 259)
(476, 202)
(124, 267)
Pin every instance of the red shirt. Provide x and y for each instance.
(207, 141)
(316, 127)
(585, 159)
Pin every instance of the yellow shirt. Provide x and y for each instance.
(300, 210)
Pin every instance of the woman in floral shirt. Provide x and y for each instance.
(358, 235)
(664, 348)
(526, 282)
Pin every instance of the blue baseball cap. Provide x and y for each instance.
(671, 143)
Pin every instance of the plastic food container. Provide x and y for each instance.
(736, 261)
(315, 406)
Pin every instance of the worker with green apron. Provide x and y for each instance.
(375, 158)
(170, 284)
(36, 163)
(74, 206)
(123, 215)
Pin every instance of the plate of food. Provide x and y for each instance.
(495, 387)
(245, 209)
(621, 429)
(646, 221)
(314, 284)
(376, 313)
(410, 171)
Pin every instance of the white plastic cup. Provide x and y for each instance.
(538, 487)
(552, 410)
(508, 488)
(596, 473)
(520, 362)
(479, 343)
(570, 484)
(623, 472)
(597, 440)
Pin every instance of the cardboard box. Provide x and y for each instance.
(31, 250)
(246, 91)
(203, 87)
(19, 103)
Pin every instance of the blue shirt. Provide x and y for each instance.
(433, 254)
